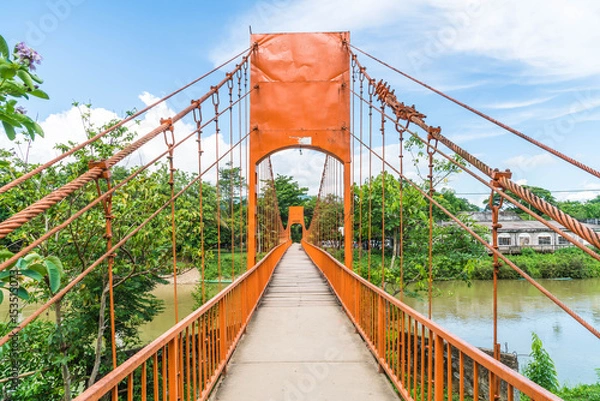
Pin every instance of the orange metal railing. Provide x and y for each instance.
(424, 361)
(186, 362)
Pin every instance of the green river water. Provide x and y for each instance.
(467, 312)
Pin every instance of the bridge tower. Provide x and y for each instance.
(300, 99)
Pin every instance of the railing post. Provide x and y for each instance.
(439, 368)
(381, 331)
(223, 332)
(173, 368)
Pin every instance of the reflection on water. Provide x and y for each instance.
(467, 312)
(166, 319)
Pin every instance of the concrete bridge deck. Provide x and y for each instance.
(300, 345)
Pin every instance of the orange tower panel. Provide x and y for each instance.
(300, 99)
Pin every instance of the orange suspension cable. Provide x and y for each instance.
(479, 239)
(401, 228)
(382, 129)
(231, 178)
(71, 151)
(170, 142)
(216, 103)
(59, 295)
(430, 152)
(198, 120)
(370, 90)
(521, 192)
(539, 144)
(108, 216)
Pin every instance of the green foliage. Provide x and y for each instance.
(541, 193)
(582, 210)
(33, 267)
(17, 80)
(289, 193)
(567, 262)
(41, 369)
(454, 250)
(80, 339)
(587, 392)
(541, 369)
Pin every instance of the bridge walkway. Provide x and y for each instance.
(300, 345)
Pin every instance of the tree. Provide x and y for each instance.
(455, 205)
(541, 369)
(80, 338)
(453, 248)
(582, 210)
(542, 193)
(232, 205)
(18, 80)
(289, 193)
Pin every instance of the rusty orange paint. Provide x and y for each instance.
(301, 99)
(295, 216)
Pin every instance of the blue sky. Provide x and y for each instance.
(535, 66)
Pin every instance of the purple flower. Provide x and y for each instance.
(27, 55)
(20, 110)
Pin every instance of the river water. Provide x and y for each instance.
(467, 312)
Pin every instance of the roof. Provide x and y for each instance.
(531, 225)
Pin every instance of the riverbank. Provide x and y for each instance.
(465, 309)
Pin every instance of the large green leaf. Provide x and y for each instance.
(23, 294)
(36, 78)
(38, 267)
(9, 119)
(10, 130)
(7, 71)
(32, 274)
(3, 48)
(40, 93)
(38, 129)
(54, 274)
(56, 262)
(33, 256)
(26, 78)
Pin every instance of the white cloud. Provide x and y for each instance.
(59, 128)
(522, 181)
(304, 166)
(548, 37)
(590, 191)
(524, 163)
(517, 104)
(310, 15)
(67, 126)
(466, 137)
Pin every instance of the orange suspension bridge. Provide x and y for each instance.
(278, 331)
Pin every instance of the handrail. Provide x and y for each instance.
(190, 357)
(418, 355)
